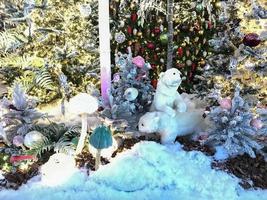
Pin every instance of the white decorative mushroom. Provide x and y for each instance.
(82, 104)
(18, 141)
(105, 153)
(32, 138)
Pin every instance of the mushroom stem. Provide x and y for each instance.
(97, 159)
(83, 134)
(23, 147)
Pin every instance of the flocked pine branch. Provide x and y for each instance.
(262, 132)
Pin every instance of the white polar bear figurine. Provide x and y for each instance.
(59, 169)
(166, 98)
(168, 127)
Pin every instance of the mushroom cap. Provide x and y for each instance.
(18, 140)
(83, 103)
(101, 138)
(32, 138)
(105, 153)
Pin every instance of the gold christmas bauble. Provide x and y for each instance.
(139, 34)
(201, 32)
(218, 5)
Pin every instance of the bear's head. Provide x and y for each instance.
(171, 77)
(149, 122)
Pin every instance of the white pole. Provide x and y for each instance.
(104, 49)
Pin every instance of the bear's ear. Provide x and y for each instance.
(161, 75)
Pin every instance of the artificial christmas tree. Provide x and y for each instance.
(145, 27)
(234, 127)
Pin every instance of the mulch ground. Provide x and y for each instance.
(14, 180)
(252, 171)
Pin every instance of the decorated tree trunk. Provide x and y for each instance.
(170, 33)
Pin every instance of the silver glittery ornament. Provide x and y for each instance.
(33, 138)
(85, 10)
(120, 37)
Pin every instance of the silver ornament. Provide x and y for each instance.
(188, 62)
(161, 28)
(32, 138)
(85, 10)
(122, 24)
(120, 37)
(224, 119)
(135, 31)
(131, 94)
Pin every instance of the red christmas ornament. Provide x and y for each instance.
(133, 17)
(154, 83)
(196, 27)
(153, 66)
(180, 65)
(209, 25)
(129, 30)
(190, 76)
(180, 51)
(156, 30)
(150, 45)
(142, 50)
(251, 40)
(155, 57)
(194, 66)
(20, 158)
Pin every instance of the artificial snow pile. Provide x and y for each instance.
(147, 171)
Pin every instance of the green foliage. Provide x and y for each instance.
(43, 79)
(101, 138)
(37, 44)
(9, 41)
(57, 137)
(5, 165)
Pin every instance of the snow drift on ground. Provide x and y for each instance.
(147, 171)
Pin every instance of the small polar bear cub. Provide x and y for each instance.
(166, 98)
(58, 170)
(170, 127)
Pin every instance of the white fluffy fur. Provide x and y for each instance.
(166, 98)
(168, 127)
(58, 169)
